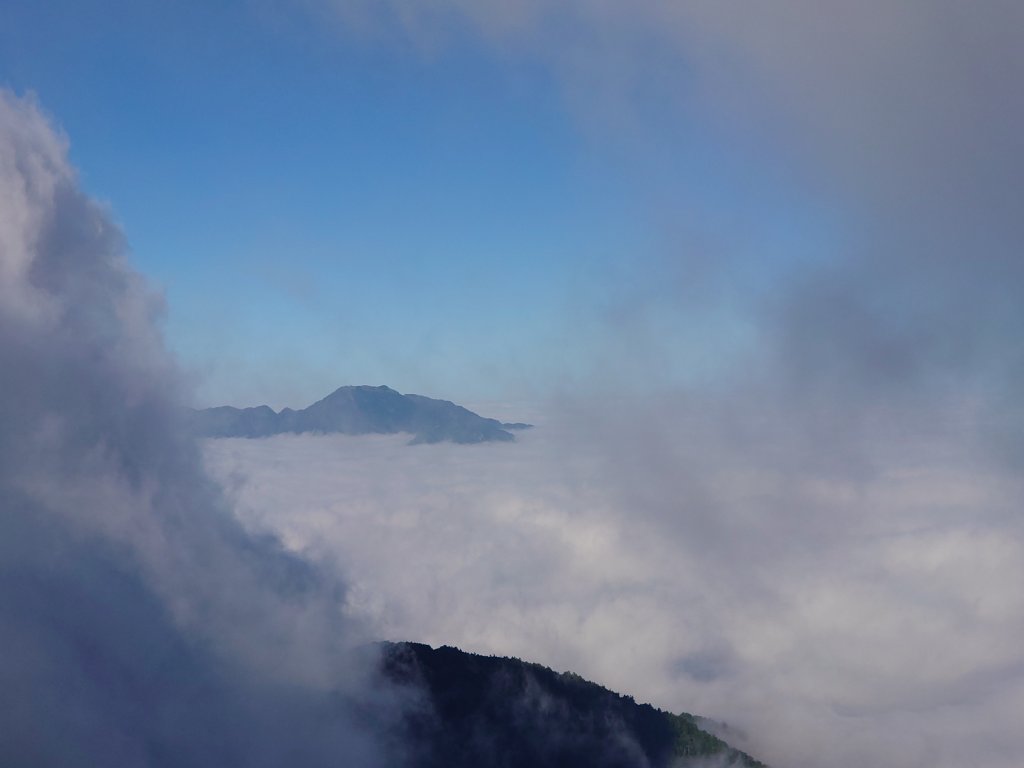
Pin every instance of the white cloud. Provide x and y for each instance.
(887, 635)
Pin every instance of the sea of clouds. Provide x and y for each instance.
(833, 620)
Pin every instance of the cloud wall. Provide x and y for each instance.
(140, 624)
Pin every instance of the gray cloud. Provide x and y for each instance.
(140, 624)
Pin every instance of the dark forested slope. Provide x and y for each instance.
(487, 712)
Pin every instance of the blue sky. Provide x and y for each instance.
(325, 207)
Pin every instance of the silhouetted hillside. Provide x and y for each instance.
(359, 411)
(488, 712)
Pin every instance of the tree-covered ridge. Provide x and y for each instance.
(485, 711)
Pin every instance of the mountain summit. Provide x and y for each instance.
(359, 410)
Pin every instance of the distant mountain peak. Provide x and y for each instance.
(359, 410)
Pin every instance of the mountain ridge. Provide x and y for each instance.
(358, 410)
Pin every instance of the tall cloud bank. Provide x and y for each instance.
(140, 625)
